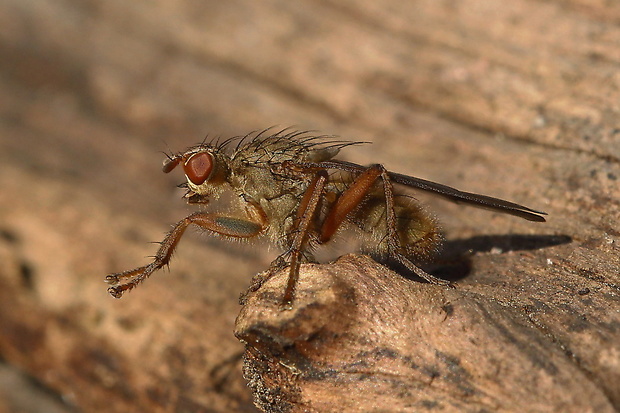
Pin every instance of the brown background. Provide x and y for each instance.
(517, 99)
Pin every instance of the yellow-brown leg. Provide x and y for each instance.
(306, 212)
(352, 197)
(223, 225)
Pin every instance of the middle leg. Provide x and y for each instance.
(306, 212)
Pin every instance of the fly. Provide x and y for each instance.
(289, 188)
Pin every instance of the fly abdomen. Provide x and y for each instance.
(417, 231)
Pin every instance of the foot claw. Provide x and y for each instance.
(286, 305)
(115, 292)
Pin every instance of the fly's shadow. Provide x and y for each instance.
(454, 261)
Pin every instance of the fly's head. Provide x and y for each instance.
(206, 170)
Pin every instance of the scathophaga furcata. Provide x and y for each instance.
(288, 187)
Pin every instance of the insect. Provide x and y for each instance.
(288, 187)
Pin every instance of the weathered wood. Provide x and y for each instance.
(517, 100)
(361, 338)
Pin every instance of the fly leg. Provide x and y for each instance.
(352, 197)
(305, 214)
(223, 225)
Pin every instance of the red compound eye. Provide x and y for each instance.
(198, 167)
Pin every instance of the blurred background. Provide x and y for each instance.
(517, 100)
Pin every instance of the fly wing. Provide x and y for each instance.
(461, 197)
(452, 194)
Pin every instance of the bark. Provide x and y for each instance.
(361, 338)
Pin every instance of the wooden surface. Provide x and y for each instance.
(361, 338)
(517, 100)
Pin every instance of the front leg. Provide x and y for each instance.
(219, 224)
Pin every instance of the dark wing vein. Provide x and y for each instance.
(452, 194)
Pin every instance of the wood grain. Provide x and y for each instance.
(361, 338)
